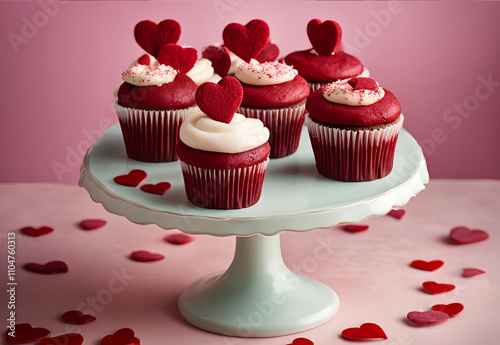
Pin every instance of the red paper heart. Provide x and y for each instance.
(427, 317)
(427, 265)
(145, 256)
(66, 339)
(35, 232)
(464, 235)
(220, 101)
(221, 62)
(144, 60)
(25, 334)
(152, 37)
(91, 224)
(77, 317)
(301, 341)
(398, 214)
(325, 36)
(450, 309)
(179, 238)
(435, 288)
(48, 268)
(159, 188)
(246, 41)
(269, 53)
(471, 272)
(356, 227)
(132, 179)
(124, 336)
(366, 331)
(180, 58)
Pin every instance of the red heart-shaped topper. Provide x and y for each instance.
(180, 58)
(26, 334)
(77, 317)
(356, 227)
(179, 238)
(220, 101)
(435, 288)
(427, 265)
(450, 309)
(427, 317)
(269, 53)
(152, 37)
(92, 224)
(48, 268)
(471, 272)
(246, 41)
(35, 232)
(301, 341)
(398, 214)
(221, 61)
(363, 83)
(124, 336)
(132, 179)
(464, 235)
(159, 188)
(144, 60)
(145, 256)
(366, 331)
(325, 36)
(66, 339)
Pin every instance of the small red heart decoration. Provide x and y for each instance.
(427, 265)
(35, 232)
(180, 58)
(66, 339)
(398, 214)
(145, 256)
(471, 272)
(144, 60)
(179, 238)
(356, 227)
(220, 101)
(269, 53)
(221, 62)
(159, 188)
(325, 36)
(464, 235)
(152, 37)
(48, 268)
(91, 224)
(25, 334)
(132, 179)
(363, 84)
(246, 41)
(124, 336)
(301, 341)
(366, 331)
(427, 317)
(435, 288)
(77, 317)
(450, 309)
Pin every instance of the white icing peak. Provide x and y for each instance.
(265, 73)
(341, 92)
(141, 75)
(203, 71)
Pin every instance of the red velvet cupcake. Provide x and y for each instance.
(353, 127)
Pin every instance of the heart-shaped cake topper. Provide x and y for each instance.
(220, 101)
(325, 36)
(152, 37)
(367, 331)
(180, 58)
(246, 41)
(221, 61)
(363, 84)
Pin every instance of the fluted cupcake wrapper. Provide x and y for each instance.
(315, 86)
(151, 135)
(350, 155)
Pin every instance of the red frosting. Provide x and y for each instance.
(175, 95)
(384, 111)
(280, 95)
(318, 68)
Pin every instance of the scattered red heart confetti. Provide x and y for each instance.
(301, 341)
(450, 309)
(159, 188)
(124, 336)
(435, 288)
(77, 317)
(427, 317)
(25, 333)
(246, 41)
(179, 238)
(66, 339)
(427, 265)
(91, 224)
(471, 272)
(363, 84)
(152, 37)
(366, 331)
(144, 60)
(180, 58)
(464, 235)
(48, 268)
(35, 232)
(132, 179)
(398, 214)
(220, 101)
(145, 256)
(325, 36)
(356, 227)
(221, 62)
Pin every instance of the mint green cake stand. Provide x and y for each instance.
(257, 296)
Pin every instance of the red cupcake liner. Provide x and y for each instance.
(224, 188)
(284, 124)
(353, 156)
(151, 135)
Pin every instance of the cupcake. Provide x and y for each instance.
(353, 126)
(324, 63)
(223, 155)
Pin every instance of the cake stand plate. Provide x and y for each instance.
(258, 296)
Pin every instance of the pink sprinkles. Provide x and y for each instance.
(272, 70)
(142, 74)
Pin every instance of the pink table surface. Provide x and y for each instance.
(370, 270)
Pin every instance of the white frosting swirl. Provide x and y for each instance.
(364, 74)
(152, 61)
(202, 71)
(242, 134)
(341, 92)
(235, 62)
(265, 73)
(141, 75)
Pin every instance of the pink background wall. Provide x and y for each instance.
(59, 75)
